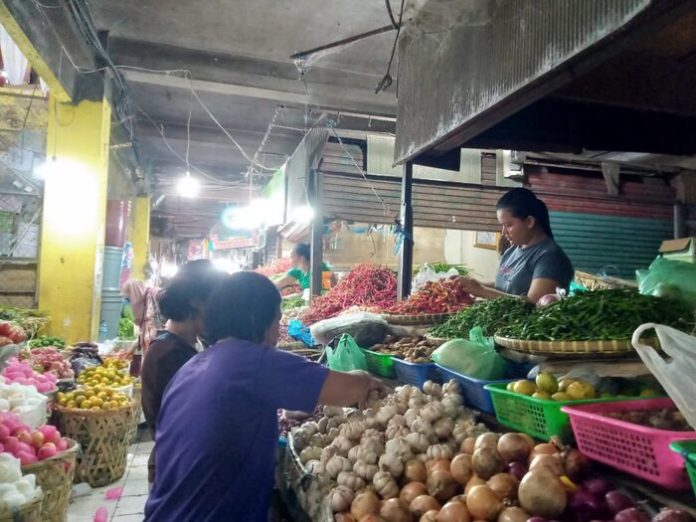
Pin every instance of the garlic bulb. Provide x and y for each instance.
(364, 470)
(372, 433)
(307, 454)
(393, 464)
(433, 411)
(385, 485)
(443, 427)
(315, 467)
(340, 498)
(323, 424)
(353, 430)
(410, 417)
(440, 451)
(310, 428)
(419, 442)
(424, 427)
(353, 454)
(342, 445)
(433, 389)
(332, 411)
(367, 454)
(399, 447)
(337, 464)
(385, 414)
(319, 440)
(351, 480)
(374, 445)
(395, 431)
(451, 387)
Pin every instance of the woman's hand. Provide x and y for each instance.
(472, 286)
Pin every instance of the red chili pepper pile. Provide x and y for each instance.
(436, 297)
(365, 286)
(277, 267)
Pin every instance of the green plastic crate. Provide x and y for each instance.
(542, 419)
(687, 449)
(379, 363)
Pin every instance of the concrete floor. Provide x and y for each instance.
(131, 505)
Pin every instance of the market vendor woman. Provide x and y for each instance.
(299, 274)
(534, 265)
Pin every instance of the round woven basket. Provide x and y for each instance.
(29, 512)
(55, 475)
(571, 348)
(421, 319)
(137, 413)
(103, 436)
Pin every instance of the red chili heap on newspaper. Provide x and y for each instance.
(435, 297)
(365, 286)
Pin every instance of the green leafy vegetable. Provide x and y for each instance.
(600, 315)
(489, 315)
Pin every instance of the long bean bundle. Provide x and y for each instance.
(490, 315)
(600, 315)
(365, 286)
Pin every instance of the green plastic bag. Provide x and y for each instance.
(347, 356)
(667, 278)
(475, 357)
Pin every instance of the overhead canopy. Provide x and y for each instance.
(548, 76)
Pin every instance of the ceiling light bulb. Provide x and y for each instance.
(188, 187)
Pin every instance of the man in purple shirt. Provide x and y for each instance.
(217, 430)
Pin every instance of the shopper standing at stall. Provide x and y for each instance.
(218, 428)
(299, 274)
(534, 265)
(182, 304)
(143, 301)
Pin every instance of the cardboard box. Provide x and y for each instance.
(683, 249)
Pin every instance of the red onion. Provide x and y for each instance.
(547, 299)
(618, 501)
(517, 470)
(598, 486)
(631, 515)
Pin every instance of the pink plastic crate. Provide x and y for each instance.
(638, 450)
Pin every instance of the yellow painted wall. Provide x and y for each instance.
(72, 242)
(139, 236)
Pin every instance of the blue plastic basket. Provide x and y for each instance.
(472, 389)
(415, 373)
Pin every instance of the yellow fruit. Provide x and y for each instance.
(511, 386)
(580, 390)
(86, 404)
(97, 402)
(564, 383)
(542, 395)
(547, 382)
(524, 387)
(561, 397)
(71, 404)
(70, 396)
(80, 399)
(95, 408)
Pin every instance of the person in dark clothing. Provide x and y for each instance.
(182, 304)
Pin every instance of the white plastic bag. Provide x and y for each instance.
(676, 375)
(427, 274)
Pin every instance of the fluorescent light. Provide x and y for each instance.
(303, 214)
(188, 186)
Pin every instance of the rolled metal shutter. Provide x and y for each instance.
(613, 245)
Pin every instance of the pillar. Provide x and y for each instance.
(140, 237)
(73, 222)
(406, 220)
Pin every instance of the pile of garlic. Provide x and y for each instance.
(25, 402)
(15, 489)
(355, 449)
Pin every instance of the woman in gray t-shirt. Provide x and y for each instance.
(534, 265)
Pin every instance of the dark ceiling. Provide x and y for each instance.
(234, 59)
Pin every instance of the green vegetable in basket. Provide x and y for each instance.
(600, 315)
(490, 315)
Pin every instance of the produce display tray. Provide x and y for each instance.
(415, 373)
(381, 364)
(472, 390)
(687, 449)
(434, 339)
(638, 450)
(569, 348)
(540, 418)
(421, 319)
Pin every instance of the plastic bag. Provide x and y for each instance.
(667, 278)
(347, 356)
(475, 358)
(298, 331)
(677, 374)
(365, 328)
(427, 274)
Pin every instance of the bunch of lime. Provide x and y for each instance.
(95, 398)
(547, 387)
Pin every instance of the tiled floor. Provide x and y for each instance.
(130, 507)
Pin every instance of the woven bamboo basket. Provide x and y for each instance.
(420, 319)
(29, 512)
(595, 282)
(137, 413)
(55, 476)
(606, 348)
(103, 436)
